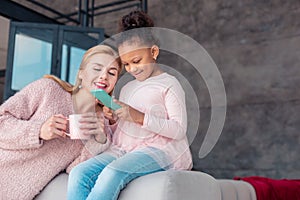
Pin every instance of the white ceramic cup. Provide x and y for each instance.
(75, 132)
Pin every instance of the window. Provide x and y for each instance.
(37, 49)
(32, 58)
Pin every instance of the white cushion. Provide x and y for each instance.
(236, 190)
(173, 185)
(56, 189)
(167, 185)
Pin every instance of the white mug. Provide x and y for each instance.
(75, 132)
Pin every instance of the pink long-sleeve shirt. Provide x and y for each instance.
(28, 163)
(162, 99)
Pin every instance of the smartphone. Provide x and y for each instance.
(105, 98)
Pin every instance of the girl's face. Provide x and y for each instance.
(139, 62)
(101, 72)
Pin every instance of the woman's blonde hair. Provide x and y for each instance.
(99, 49)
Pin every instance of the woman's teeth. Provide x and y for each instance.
(101, 85)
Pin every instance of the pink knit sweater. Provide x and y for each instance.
(27, 163)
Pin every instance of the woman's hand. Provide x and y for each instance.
(93, 124)
(54, 127)
(128, 113)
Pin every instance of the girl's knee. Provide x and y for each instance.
(77, 173)
(112, 172)
(116, 176)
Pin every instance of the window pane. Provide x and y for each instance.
(32, 56)
(75, 60)
(64, 64)
(75, 43)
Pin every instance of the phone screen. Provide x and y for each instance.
(105, 98)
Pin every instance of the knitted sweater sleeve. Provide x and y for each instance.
(17, 129)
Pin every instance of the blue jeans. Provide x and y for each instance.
(104, 176)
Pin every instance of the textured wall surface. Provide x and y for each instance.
(256, 46)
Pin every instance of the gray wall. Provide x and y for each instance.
(256, 46)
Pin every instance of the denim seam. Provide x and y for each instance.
(90, 180)
(141, 167)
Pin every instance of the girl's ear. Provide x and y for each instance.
(155, 51)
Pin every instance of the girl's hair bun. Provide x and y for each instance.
(135, 19)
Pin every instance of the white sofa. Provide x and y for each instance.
(167, 185)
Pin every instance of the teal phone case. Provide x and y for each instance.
(105, 98)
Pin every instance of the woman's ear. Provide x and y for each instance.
(155, 51)
(80, 74)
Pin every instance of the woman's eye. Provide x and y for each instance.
(136, 61)
(97, 69)
(112, 72)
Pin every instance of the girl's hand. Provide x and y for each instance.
(54, 127)
(109, 114)
(128, 113)
(93, 124)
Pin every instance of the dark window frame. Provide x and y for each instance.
(57, 43)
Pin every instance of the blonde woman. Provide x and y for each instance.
(34, 147)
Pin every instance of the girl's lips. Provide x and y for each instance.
(136, 74)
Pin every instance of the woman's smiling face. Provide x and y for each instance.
(101, 72)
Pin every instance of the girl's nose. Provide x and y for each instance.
(133, 69)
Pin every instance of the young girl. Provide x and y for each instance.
(33, 125)
(151, 131)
